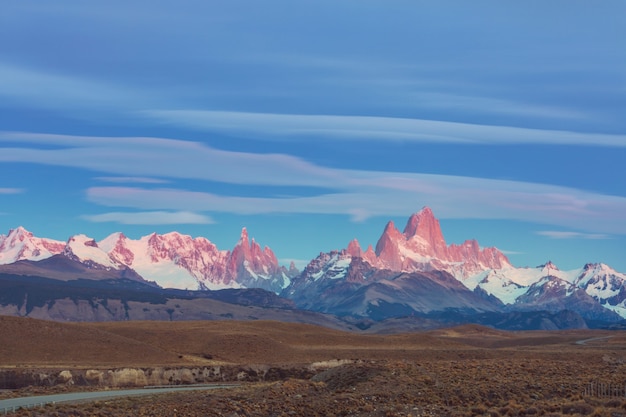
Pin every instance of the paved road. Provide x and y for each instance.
(593, 339)
(13, 404)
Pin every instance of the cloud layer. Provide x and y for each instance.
(11, 191)
(358, 194)
(555, 234)
(151, 217)
(270, 126)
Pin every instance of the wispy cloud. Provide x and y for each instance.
(511, 252)
(358, 194)
(63, 90)
(450, 197)
(136, 180)
(490, 105)
(555, 234)
(11, 190)
(151, 218)
(166, 158)
(270, 126)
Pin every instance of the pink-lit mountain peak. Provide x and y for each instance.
(388, 248)
(85, 249)
(354, 248)
(248, 252)
(390, 235)
(244, 235)
(20, 233)
(421, 246)
(424, 229)
(422, 234)
(423, 224)
(19, 244)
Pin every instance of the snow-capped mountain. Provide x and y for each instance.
(421, 247)
(85, 250)
(174, 260)
(595, 291)
(410, 272)
(171, 260)
(534, 287)
(343, 284)
(20, 244)
(604, 284)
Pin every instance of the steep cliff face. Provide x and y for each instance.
(422, 247)
(253, 267)
(423, 232)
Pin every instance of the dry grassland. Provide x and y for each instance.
(464, 371)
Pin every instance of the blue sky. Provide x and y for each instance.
(315, 122)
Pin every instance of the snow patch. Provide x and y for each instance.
(85, 249)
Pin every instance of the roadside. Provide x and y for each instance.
(13, 404)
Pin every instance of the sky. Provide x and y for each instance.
(312, 123)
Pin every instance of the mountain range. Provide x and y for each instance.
(171, 260)
(409, 275)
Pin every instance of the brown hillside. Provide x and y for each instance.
(31, 342)
(268, 341)
(25, 342)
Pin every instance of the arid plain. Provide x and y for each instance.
(302, 370)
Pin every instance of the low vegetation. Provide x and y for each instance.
(465, 371)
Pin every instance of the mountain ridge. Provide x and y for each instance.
(421, 248)
(405, 272)
(172, 260)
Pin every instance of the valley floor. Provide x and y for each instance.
(467, 371)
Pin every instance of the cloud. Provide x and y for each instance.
(138, 180)
(553, 234)
(358, 194)
(448, 196)
(60, 91)
(472, 103)
(11, 190)
(272, 126)
(170, 158)
(512, 252)
(150, 218)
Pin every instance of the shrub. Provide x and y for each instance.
(531, 411)
(577, 408)
(614, 403)
(478, 410)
